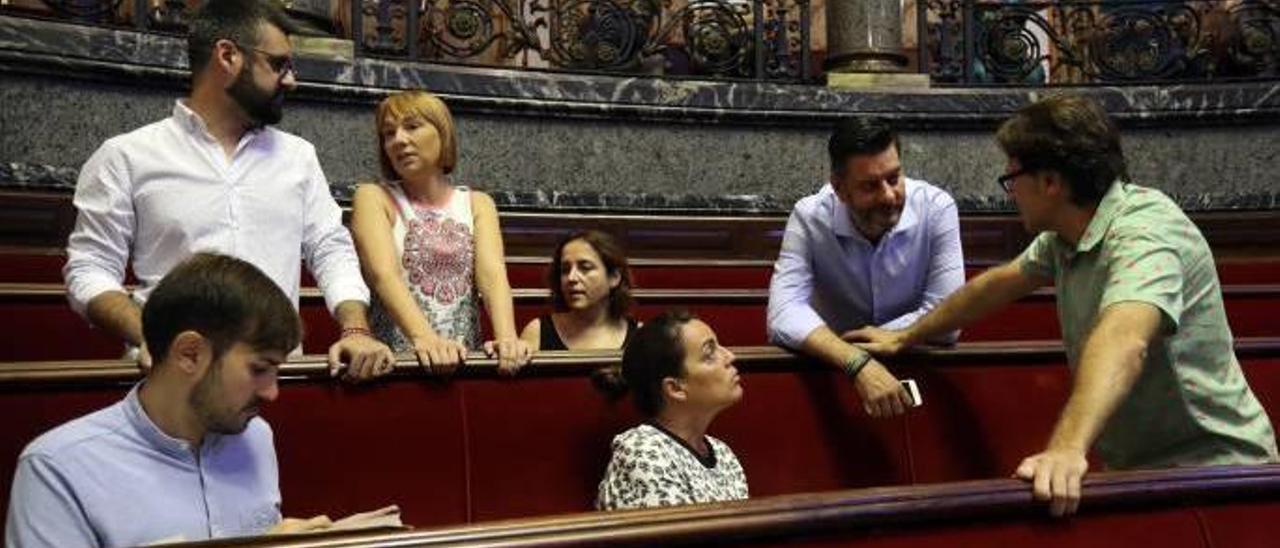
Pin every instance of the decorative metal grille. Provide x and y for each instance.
(1081, 42)
(760, 39)
(718, 38)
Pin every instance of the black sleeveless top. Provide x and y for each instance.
(549, 339)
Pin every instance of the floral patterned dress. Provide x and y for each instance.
(436, 247)
(652, 467)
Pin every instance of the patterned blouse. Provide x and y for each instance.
(436, 247)
(653, 467)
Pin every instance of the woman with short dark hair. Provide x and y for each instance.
(590, 294)
(681, 378)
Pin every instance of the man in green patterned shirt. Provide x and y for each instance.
(1156, 381)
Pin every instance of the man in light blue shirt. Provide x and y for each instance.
(184, 455)
(872, 248)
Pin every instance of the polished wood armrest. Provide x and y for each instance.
(816, 513)
(571, 363)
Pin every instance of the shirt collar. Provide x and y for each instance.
(191, 121)
(708, 461)
(143, 424)
(842, 223)
(1106, 212)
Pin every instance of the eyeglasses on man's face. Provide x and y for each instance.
(280, 64)
(1006, 181)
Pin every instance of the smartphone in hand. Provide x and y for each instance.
(914, 391)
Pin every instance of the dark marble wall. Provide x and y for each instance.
(545, 140)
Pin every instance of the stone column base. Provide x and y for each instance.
(334, 49)
(862, 80)
(866, 61)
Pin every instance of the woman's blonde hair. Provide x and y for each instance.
(400, 105)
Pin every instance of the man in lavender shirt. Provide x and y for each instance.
(184, 455)
(872, 248)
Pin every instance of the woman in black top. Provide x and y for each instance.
(591, 296)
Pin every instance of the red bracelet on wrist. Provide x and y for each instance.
(349, 331)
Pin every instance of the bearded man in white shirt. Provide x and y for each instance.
(216, 177)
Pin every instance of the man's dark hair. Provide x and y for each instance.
(655, 352)
(239, 21)
(226, 300)
(1071, 135)
(859, 135)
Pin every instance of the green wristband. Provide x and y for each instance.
(855, 363)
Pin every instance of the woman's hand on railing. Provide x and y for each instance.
(439, 355)
(512, 354)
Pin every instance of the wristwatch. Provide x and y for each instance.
(855, 363)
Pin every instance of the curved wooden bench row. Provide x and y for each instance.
(38, 315)
(483, 447)
(25, 265)
(1201, 508)
(44, 219)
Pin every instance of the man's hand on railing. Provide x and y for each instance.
(1055, 476)
(365, 356)
(288, 526)
(882, 395)
(878, 341)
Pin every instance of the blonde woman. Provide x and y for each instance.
(430, 249)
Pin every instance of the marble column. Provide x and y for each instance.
(864, 36)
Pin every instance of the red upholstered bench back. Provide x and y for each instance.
(481, 447)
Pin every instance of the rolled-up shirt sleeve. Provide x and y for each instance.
(946, 267)
(790, 316)
(98, 248)
(326, 243)
(43, 510)
(1039, 259)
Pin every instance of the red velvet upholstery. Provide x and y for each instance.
(346, 449)
(45, 324)
(1175, 528)
(538, 447)
(662, 277)
(807, 431)
(1240, 524)
(980, 421)
(29, 413)
(488, 448)
(41, 328)
(34, 267)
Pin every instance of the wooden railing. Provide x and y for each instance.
(855, 514)
(579, 363)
